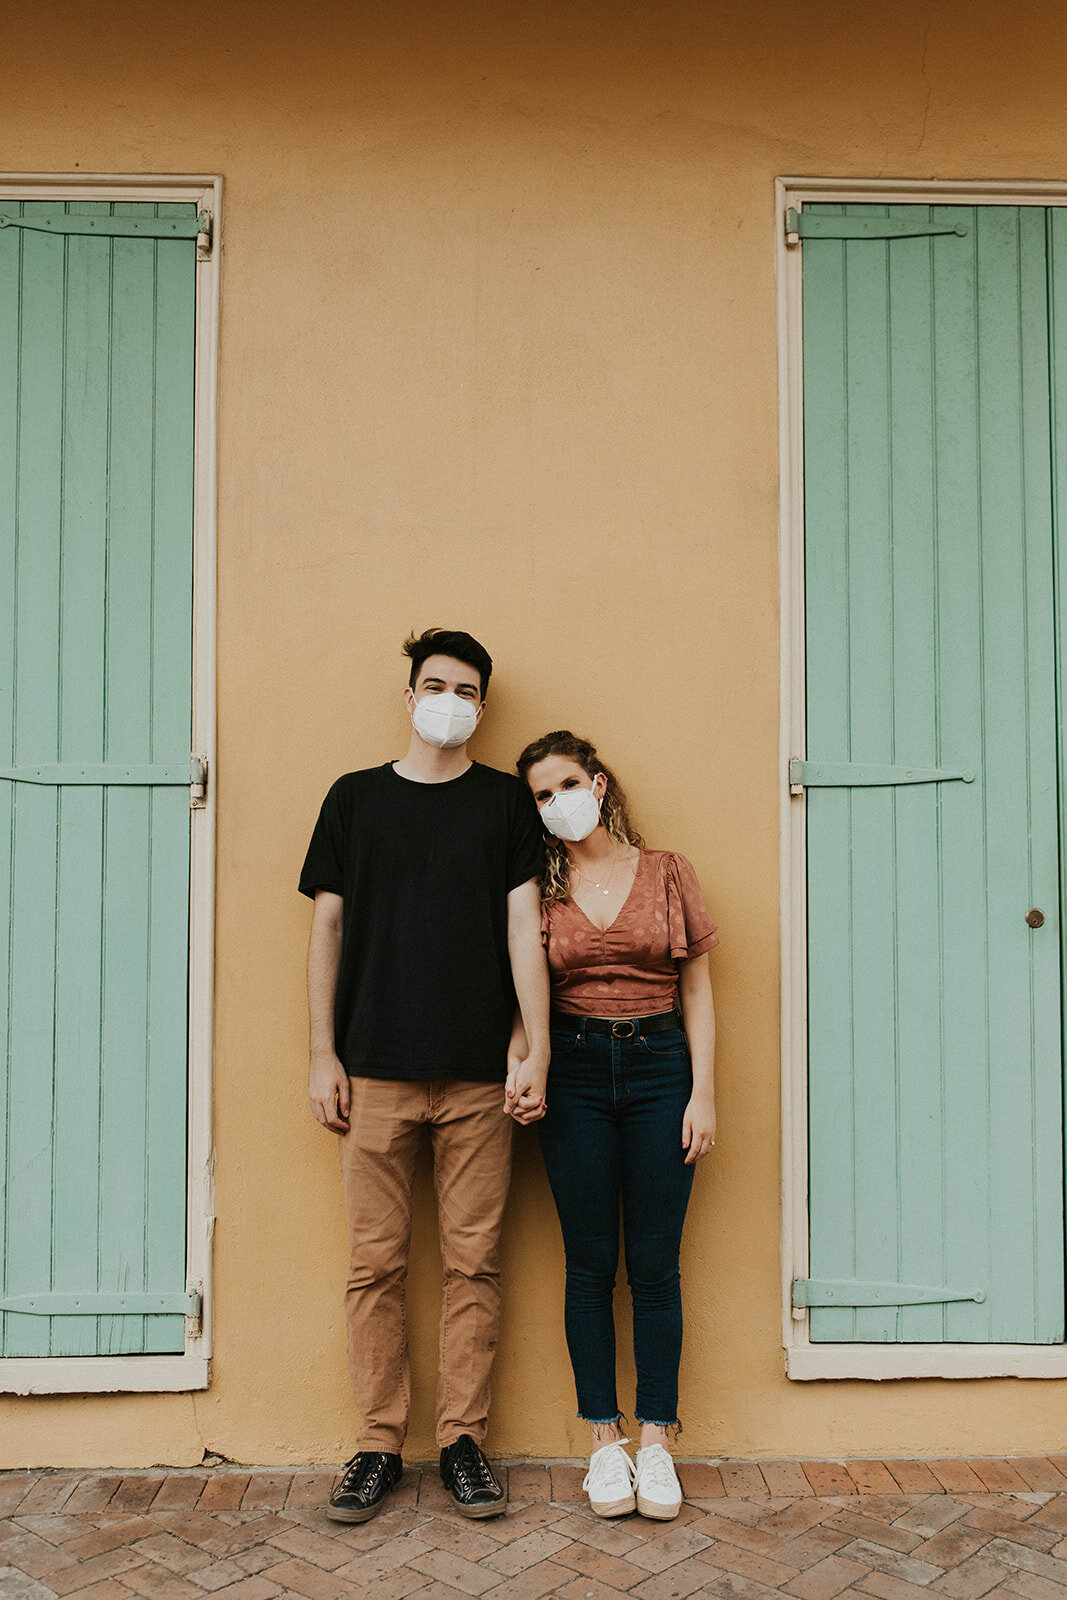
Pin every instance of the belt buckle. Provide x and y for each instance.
(623, 1030)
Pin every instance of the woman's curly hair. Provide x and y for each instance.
(614, 808)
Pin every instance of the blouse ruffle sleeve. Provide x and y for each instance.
(689, 925)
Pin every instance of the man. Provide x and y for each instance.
(426, 929)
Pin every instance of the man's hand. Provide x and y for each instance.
(329, 1091)
(328, 1087)
(524, 1092)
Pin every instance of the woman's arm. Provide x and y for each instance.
(534, 1105)
(698, 1010)
(518, 1049)
(524, 1093)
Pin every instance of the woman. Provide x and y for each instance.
(630, 1107)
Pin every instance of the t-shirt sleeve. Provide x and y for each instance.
(689, 925)
(526, 842)
(323, 864)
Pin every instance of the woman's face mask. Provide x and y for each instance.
(571, 814)
(444, 720)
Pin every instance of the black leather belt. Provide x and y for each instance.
(619, 1027)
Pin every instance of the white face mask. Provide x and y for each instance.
(571, 814)
(444, 720)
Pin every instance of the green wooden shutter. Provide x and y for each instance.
(936, 1125)
(96, 449)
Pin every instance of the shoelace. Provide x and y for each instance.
(657, 1469)
(603, 1465)
(363, 1476)
(470, 1468)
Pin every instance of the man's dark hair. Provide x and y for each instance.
(447, 642)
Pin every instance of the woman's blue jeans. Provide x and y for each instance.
(613, 1130)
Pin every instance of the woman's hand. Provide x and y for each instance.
(698, 1009)
(698, 1126)
(524, 1092)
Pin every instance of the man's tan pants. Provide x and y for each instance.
(471, 1142)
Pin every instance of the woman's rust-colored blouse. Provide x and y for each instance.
(629, 970)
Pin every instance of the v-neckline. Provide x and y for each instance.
(622, 908)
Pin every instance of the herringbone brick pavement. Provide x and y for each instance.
(771, 1530)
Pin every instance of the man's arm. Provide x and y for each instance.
(525, 1091)
(328, 1087)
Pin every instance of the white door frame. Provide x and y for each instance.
(190, 1370)
(804, 1359)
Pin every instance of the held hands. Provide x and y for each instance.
(329, 1091)
(524, 1092)
(698, 1127)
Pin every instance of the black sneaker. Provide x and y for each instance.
(468, 1477)
(365, 1482)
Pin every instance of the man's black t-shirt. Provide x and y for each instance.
(425, 988)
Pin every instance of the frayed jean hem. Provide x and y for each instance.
(674, 1428)
(600, 1422)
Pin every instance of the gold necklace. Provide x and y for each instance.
(593, 881)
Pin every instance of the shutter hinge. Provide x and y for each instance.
(801, 225)
(866, 775)
(194, 1317)
(847, 1292)
(151, 774)
(63, 225)
(198, 783)
(102, 1303)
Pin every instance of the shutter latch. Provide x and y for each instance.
(198, 783)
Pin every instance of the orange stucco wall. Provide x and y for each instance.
(499, 352)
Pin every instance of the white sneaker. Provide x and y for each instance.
(659, 1494)
(610, 1480)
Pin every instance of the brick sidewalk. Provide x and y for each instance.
(774, 1530)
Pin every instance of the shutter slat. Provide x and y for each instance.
(76, 1106)
(127, 849)
(28, 1243)
(10, 252)
(172, 573)
(1018, 707)
(831, 1086)
(1056, 236)
(870, 718)
(917, 812)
